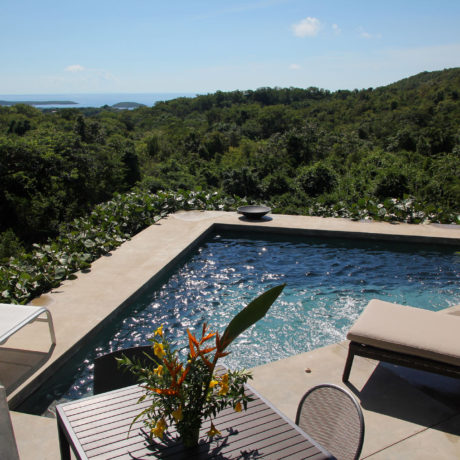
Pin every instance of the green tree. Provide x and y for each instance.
(317, 179)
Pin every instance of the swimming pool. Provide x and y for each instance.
(329, 281)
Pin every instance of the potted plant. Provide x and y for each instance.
(184, 394)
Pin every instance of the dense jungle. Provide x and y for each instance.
(389, 153)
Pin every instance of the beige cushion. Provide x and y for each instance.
(409, 330)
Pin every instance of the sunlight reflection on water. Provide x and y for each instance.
(328, 284)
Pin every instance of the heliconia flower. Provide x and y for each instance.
(159, 428)
(158, 371)
(213, 383)
(164, 391)
(207, 362)
(238, 407)
(213, 431)
(207, 337)
(159, 350)
(177, 414)
(159, 331)
(184, 374)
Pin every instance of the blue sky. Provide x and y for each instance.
(201, 46)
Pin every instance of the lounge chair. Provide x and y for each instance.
(406, 336)
(15, 317)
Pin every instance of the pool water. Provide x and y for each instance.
(329, 282)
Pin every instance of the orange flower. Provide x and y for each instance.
(238, 407)
(194, 345)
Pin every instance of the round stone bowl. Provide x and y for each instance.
(253, 212)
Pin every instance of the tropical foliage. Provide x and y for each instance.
(81, 241)
(76, 182)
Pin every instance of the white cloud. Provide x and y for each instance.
(336, 29)
(294, 66)
(367, 35)
(74, 68)
(308, 27)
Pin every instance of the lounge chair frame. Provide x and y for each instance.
(18, 316)
(401, 359)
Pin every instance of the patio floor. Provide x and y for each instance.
(408, 414)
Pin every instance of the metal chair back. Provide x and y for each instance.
(107, 375)
(333, 417)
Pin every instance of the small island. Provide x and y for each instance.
(127, 105)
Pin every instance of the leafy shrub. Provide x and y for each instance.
(83, 240)
(317, 179)
(10, 245)
(391, 184)
(241, 182)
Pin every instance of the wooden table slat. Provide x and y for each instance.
(112, 433)
(97, 428)
(270, 421)
(88, 401)
(271, 431)
(97, 404)
(127, 413)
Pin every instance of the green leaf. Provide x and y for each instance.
(251, 314)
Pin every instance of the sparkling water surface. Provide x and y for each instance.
(328, 283)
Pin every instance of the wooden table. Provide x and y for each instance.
(97, 427)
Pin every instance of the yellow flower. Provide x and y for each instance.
(160, 428)
(159, 331)
(177, 414)
(213, 431)
(223, 385)
(238, 407)
(223, 389)
(213, 383)
(158, 349)
(158, 371)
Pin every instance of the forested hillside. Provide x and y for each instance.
(388, 153)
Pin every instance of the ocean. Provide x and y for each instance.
(92, 99)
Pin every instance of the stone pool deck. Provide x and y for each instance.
(407, 414)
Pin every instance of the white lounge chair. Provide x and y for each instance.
(15, 317)
(406, 336)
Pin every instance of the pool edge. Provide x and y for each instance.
(183, 231)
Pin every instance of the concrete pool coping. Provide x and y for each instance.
(80, 306)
